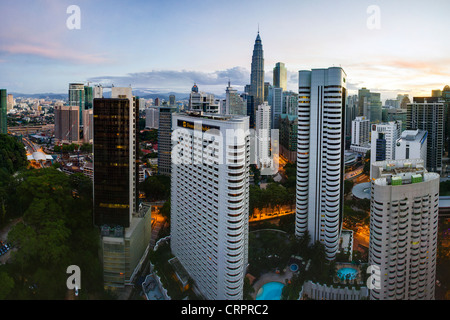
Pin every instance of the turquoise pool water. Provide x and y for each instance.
(347, 273)
(270, 291)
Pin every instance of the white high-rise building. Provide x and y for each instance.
(210, 201)
(383, 139)
(412, 144)
(403, 230)
(263, 130)
(320, 156)
(152, 118)
(360, 135)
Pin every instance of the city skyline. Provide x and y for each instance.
(154, 47)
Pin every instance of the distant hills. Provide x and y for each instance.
(141, 93)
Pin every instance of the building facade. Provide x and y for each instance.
(209, 196)
(256, 89)
(403, 230)
(115, 149)
(280, 76)
(412, 144)
(3, 107)
(320, 156)
(383, 139)
(164, 139)
(427, 113)
(67, 125)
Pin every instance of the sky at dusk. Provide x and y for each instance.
(168, 45)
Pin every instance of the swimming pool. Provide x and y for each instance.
(347, 273)
(270, 291)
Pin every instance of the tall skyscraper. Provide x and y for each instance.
(280, 76)
(403, 230)
(152, 118)
(257, 76)
(263, 130)
(164, 139)
(288, 136)
(320, 161)
(209, 196)
(67, 125)
(350, 114)
(427, 113)
(3, 107)
(77, 98)
(275, 100)
(115, 149)
(290, 103)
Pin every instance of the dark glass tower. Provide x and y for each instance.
(115, 196)
(257, 76)
(3, 105)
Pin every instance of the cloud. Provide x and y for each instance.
(52, 51)
(169, 80)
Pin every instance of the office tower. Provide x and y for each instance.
(201, 101)
(360, 131)
(412, 144)
(10, 102)
(280, 76)
(257, 76)
(382, 142)
(320, 162)
(115, 150)
(351, 112)
(152, 118)
(288, 136)
(445, 95)
(391, 103)
(403, 100)
(172, 100)
(88, 127)
(290, 103)
(427, 113)
(403, 230)
(275, 100)
(375, 106)
(262, 128)
(125, 225)
(363, 102)
(77, 98)
(88, 97)
(397, 115)
(67, 125)
(209, 197)
(360, 139)
(234, 104)
(3, 107)
(164, 139)
(266, 90)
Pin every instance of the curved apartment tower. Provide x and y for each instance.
(403, 230)
(320, 156)
(209, 201)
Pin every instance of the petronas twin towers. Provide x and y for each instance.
(257, 74)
